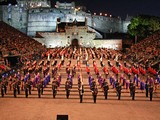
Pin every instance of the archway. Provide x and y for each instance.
(75, 43)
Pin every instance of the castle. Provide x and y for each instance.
(33, 16)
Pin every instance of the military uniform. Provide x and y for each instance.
(93, 84)
(151, 92)
(29, 86)
(94, 93)
(119, 88)
(81, 91)
(131, 87)
(54, 88)
(105, 89)
(116, 84)
(2, 89)
(18, 86)
(39, 88)
(14, 89)
(5, 86)
(146, 87)
(67, 87)
(26, 89)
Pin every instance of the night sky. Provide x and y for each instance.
(119, 7)
(122, 7)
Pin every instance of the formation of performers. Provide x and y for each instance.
(38, 75)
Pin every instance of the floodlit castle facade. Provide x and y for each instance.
(32, 16)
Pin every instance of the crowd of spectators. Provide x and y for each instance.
(146, 52)
(14, 42)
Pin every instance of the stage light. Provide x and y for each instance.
(100, 14)
(105, 14)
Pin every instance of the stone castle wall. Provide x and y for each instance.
(108, 43)
(1, 13)
(45, 19)
(16, 17)
(52, 40)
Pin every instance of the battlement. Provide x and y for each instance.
(65, 5)
(34, 3)
(30, 16)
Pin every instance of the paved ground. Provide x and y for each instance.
(47, 109)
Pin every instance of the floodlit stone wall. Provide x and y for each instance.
(45, 19)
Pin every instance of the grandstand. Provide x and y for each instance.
(38, 61)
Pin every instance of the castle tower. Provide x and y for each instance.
(35, 3)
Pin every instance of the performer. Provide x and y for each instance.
(26, 88)
(151, 92)
(81, 91)
(18, 86)
(5, 84)
(14, 89)
(67, 87)
(2, 89)
(133, 89)
(54, 88)
(119, 88)
(146, 87)
(39, 88)
(29, 85)
(94, 93)
(142, 85)
(105, 88)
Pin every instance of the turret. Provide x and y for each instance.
(34, 3)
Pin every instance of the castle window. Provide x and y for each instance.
(70, 19)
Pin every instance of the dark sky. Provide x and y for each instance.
(119, 7)
(122, 7)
